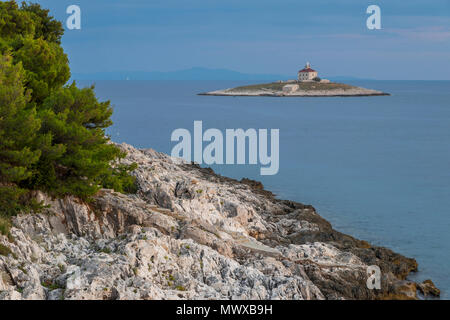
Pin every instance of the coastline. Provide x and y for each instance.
(192, 234)
(83, 217)
(297, 89)
(220, 94)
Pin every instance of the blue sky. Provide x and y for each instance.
(262, 36)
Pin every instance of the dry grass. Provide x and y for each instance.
(306, 86)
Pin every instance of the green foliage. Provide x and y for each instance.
(11, 200)
(119, 179)
(51, 285)
(79, 155)
(18, 126)
(106, 250)
(304, 86)
(52, 135)
(4, 251)
(180, 288)
(317, 79)
(46, 64)
(33, 38)
(45, 26)
(15, 22)
(5, 226)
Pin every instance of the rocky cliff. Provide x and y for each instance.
(190, 234)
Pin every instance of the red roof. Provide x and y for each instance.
(307, 70)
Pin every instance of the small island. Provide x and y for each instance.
(307, 84)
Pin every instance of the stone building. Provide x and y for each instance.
(307, 74)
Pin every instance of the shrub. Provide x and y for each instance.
(4, 251)
(119, 179)
(180, 288)
(11, 201)
(5, 225)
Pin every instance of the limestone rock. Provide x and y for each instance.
(190, 234)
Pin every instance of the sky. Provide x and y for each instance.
(260, 36)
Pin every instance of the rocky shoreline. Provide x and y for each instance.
(305, 94)
(301, 89)
(191, 234)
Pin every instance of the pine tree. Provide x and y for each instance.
(80, 156)
(18, 127)
(52, 135)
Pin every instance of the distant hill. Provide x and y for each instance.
(197, 73)
(188, 74)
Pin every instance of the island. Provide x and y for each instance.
(307, 84)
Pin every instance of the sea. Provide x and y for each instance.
(377, 168)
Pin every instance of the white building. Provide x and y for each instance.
(307, 74)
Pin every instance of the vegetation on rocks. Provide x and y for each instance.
(295, 88)
(52, 134)
(4, 251)
(307, 86)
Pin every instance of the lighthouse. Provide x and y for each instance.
(307, 74)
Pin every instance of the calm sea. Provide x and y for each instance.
(375, 167)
